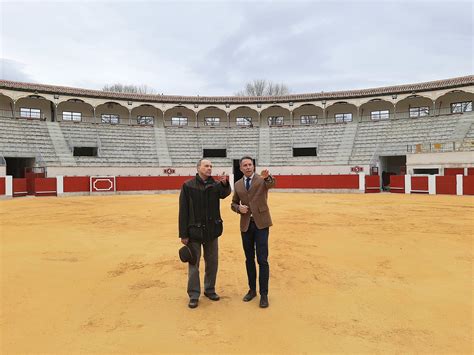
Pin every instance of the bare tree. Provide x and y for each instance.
(262, 87)
(134, 89)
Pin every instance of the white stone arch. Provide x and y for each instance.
(443, 102)
(212, 111)
(275, 111)
(147, 110)
(112, 108)
(35, 101)
(307, 109)
(403, 107)
(341, 107)
(244, 111)
(75, 104)
(180, 111)
(6, 106)
(378, 106)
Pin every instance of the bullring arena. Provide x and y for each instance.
(382, 264)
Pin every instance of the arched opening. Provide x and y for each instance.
(212, 117)
(341, 112)
(34, 107)
(275, 116)
(112, 113)
(147, 115)
(179, 116)
(414, 106)
(243, 116)
(456, 101)
(307, 115)
(6, 107)
(75, 110)
(376, 110)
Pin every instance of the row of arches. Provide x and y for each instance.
(78, 110)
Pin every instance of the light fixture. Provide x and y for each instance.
(291, 103)
(227, 105)
(394, 96)
(196, 105)
(259, 105)
(130, 102)
(323, 102)
(56, 96)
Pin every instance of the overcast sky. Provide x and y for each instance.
(215, 47)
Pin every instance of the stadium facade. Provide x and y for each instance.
(323, 140)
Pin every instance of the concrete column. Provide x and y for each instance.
(407, 184)
(361, 181)
(59, 185)
(9, 185)
(459, 187)
(432, 184)
(14, 109)
(94, 118)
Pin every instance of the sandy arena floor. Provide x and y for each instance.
(349, 273)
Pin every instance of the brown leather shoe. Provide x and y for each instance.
(263, 301)
(212, 296)
(193, 303)
(250, 296)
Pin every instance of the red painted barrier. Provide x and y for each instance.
(397, 184)
(372, 184)
(419, 184)
(30, 181)
(446, 185)
(103, 184)
(317, 181)
(19, 187)
(148, 183)
(45, 187)
(468, 185)
(76, 184)
(470, 171)
(453, 171)
(3, 181)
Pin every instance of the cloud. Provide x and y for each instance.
(14, 71)
(215, 47)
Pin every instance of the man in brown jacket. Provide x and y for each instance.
(250, 201)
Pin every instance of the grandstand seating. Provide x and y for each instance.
(125, 145)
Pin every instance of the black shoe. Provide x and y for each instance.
(249, 296)
(263, 301)
(212, 296)
(193, 303)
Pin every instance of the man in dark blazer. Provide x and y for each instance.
(250, 201)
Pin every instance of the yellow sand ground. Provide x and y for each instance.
(349, 274)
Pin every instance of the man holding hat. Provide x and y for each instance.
(200, 224)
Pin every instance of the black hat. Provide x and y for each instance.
(187, 255)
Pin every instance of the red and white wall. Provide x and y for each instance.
(451, 184)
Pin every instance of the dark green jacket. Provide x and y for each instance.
(199, 209)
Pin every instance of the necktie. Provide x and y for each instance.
(247, 183)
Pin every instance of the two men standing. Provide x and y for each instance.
(200, 224)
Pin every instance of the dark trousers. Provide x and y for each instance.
(211, 250)
(256, 240)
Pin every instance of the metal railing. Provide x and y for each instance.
(135, 121)
(434, 147)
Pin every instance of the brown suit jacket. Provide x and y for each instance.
(256, 198)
